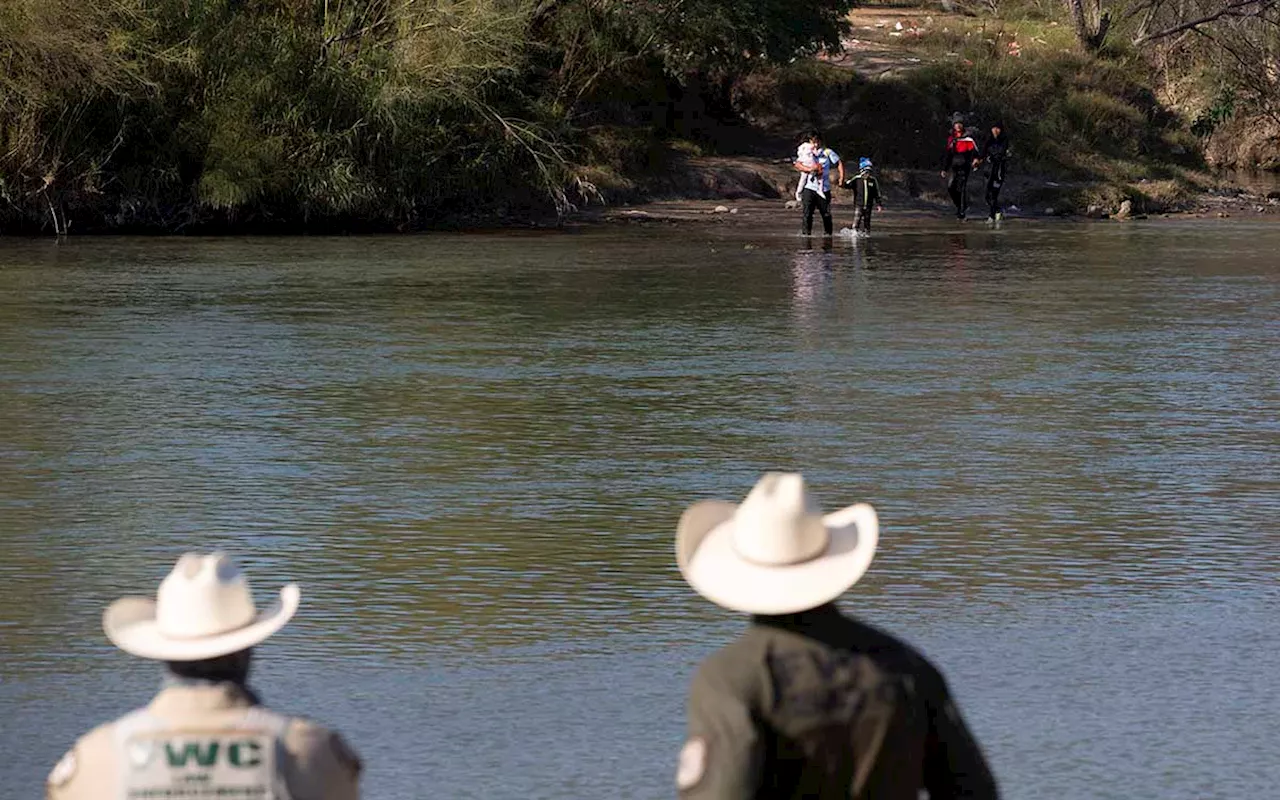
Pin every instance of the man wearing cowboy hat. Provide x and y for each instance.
(205, 735)
(808, 702)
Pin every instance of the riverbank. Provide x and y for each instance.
(776, 215)
(702, 184)
(151, 116)
(552, 125)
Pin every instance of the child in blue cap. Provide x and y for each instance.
(866, 196)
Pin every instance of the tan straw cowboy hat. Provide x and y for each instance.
(204, 609)
(776, 553)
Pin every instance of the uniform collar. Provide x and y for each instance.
(178, 696)
(803, 622)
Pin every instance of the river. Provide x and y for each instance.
(471, 451)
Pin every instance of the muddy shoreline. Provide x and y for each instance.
(744, 189)
(734, 187)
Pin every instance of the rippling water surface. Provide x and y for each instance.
(471, 451)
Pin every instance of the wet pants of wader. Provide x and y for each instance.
(958, 188)
(811, 201)
(862, 219)
(995, 181)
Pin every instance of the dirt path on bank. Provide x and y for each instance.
(874, 47)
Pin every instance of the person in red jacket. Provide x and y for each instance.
(957, 163)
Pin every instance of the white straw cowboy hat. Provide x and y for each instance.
(776, 553)
(204, 609)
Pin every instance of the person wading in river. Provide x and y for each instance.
(206, 734)
(957, 162)
(995, 152)
(809, 703)
(866, 197)
(815, 193)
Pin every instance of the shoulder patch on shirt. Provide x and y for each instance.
(693, 763)
(63, 770)
(953, 713)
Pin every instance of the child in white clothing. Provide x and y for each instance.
(807, 155)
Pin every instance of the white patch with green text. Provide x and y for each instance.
(220, 765)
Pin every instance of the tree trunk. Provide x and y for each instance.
(1091, 23)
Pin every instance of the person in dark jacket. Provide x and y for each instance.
(995, 152)
(866, 196)
(957, 162)
(810, 703)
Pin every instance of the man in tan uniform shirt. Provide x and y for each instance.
(205, 735)
(809, 703)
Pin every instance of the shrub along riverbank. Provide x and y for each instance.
(279, 114)
(286, 115)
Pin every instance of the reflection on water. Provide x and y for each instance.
(471, 451)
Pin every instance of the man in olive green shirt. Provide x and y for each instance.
(809, 703)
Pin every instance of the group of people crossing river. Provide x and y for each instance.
(817, 163)
(806, 702)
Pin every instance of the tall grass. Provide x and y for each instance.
(164, 114)
(66, 70)
(167, 113)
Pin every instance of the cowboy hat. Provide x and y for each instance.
(204, 609)
(775, 553)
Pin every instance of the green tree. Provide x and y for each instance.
(164, 113)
